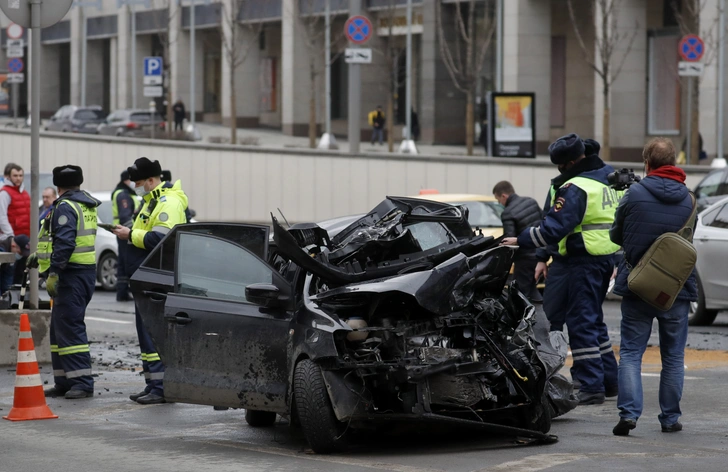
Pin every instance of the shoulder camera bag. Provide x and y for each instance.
(662, 271)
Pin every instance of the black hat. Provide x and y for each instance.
(166, 176)
(143, 169)
(23, 242)
(125, 176)
(566, 149)
(67, 176)
(591, 147)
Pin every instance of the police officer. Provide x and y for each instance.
(66, 252)
(163, 208)
(123, 206)
(576, 230)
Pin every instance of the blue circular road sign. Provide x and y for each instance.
(358, 29)
(691, 48)
(15, 65)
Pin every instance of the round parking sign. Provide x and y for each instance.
(14, 31)
(691, 48)
(358, 29)
(15, 65)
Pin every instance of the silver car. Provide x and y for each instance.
(131, 123)
(711, 243)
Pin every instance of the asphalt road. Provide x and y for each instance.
(111, 433)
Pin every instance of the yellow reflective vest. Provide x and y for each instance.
(86, 226)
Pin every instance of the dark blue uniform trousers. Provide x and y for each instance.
(574, 294)
(152, 365)
(122, 278)
(69, 344)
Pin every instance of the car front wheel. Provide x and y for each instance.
(323, 431)
(106, 271)
(699, 315)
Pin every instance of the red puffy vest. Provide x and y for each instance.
(19, 210)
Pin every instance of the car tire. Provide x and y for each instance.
(106, 271)
(260, 419)
(699, 315)
(323, 431)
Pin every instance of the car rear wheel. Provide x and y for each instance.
(699, 315)
(323, 431)
(260, 419)
(106, 271)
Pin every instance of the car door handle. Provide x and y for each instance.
(155, 297)
(179, 318)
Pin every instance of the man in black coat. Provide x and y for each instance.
(520, 213)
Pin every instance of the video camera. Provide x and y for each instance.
(622, 179)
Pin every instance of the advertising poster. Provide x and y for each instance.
(514, 120)
(4, 95)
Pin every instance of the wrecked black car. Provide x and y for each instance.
(403, 314)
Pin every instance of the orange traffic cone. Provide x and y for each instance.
(29, 401)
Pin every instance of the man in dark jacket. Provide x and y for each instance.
(660, 203)
(576, 230)
(123, 208)
(520, 213)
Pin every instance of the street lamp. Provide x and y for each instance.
(132, 4)
(82, 4)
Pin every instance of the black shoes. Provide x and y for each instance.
(151, 399)
(76, 394)
(624, 426)
(673, 428)
(54, 392)
(137, 396)
(591, 398)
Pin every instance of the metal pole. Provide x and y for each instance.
(408, 76)
(354, 92)
(192, 65)
(721, 73)
(15, 105)
(328, 68)
(499, 46)
(690, 114)
(133, 58)
(35, 79)
(84, 39)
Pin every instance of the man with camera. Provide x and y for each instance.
(658, 205)
(575, 231)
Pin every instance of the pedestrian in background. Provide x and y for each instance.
(164, 207)
(14, 203)
(376, 121)
(658, 204)
(415, 123)
(49, 195)
(519, 214)
(179, 114)
(66, 251)
(123, 207)
(576, 229)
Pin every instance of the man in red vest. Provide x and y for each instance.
(14, 204)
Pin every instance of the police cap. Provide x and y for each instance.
(591, 147)
(144, 169)
(566, 149)
(67, 176)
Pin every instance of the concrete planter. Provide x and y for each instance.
(40, 322)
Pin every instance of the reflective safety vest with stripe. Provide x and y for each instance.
(115, 206)
(601, 204)
(85, 252)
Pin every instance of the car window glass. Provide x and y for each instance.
(140, 117)
(709, 186)
(430, 235)
(483, 214)
(709, 216)
(214, 268)
(721, 218)
(88, 115)
(104, 212)
(68, 112)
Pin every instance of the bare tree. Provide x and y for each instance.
(166, 39)
(603, 58)
(688, 13)
(464, 56)
(235, 48)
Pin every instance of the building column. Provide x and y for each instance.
(76, 45)
(527, 58)
(296, 82)
(122, 90)
(628, 105)
(175, 51)
(708, 117)
(113, 81)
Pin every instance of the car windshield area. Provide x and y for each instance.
(88, 115)
(483, 214)
(143, 117)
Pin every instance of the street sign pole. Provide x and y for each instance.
(354, 93)
(133, 57)
(721, 72)
(327, 140)
(34, 138)
(408, 144)
(15, 105)
(84, 40)
(690, 121)
(193, 68)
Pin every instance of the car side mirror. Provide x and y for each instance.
(265, 295)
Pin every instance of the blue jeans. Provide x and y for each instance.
(378, 134)
(636, 327)
(7, 271)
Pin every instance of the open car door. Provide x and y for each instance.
(219, 348)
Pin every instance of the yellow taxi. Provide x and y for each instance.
(484, 211)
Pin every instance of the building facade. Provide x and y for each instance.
(279, 64)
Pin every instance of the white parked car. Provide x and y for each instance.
(711, 243)
(107, 250)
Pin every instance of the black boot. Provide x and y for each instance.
(624, 426)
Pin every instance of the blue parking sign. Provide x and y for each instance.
(152, 66)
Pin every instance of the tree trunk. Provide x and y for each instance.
(606, 147)
(170, 113)
(469, 123)
(695, 123)
(390, 122)
(312, 114)
(233, 108)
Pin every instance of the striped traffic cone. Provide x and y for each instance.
(29, 401)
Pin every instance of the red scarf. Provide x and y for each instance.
(669, 172)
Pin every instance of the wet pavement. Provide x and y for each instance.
(111, 433)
